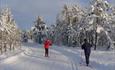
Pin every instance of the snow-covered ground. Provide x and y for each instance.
(99, 60)
(31, 57)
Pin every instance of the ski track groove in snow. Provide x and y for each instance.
(24, 60)
(75, 60)
(73, 66)
(31, 57)
(43, 58)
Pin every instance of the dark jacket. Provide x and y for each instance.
(87, 48)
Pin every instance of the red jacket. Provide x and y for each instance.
(47, 44)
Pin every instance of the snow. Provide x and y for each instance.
(31, 57)
(99, 60)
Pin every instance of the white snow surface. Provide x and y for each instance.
(31, 57)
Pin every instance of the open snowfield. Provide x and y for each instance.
(31, 57)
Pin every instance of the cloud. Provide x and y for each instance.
(25, 11)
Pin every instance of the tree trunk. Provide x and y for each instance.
(1, 49)
(95, 47)
(110, 40)
(10, 46)
(5, 48)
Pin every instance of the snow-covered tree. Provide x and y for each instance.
(67, 24)
(39, 30)
(51, 33)
(98, 19)
(9, 33)
(24, 36)
(95, 23)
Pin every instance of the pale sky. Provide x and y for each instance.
(26, 11)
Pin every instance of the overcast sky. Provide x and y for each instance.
(26, 11)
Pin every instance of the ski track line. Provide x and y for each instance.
(23, 50)
(43, 58)
(72, 63)
(73, 66)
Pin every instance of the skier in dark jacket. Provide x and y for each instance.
(87, 50)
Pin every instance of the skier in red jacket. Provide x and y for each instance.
(47, 44)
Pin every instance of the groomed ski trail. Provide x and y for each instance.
(32, 58)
